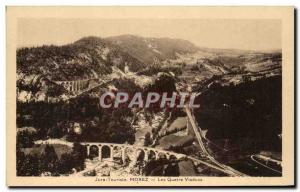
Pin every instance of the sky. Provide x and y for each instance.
(247, 34)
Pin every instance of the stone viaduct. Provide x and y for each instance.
(124, 149)
(145, 153)
(75, 86)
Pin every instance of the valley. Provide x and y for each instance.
(239, 93)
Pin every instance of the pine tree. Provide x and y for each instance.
(49, 159)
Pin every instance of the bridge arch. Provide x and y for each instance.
(106, 152)
(162, 155)
(117, 152)
(173, 158)
(94, 151)
(152, 155)
(140, 154)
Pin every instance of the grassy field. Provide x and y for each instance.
(173, 140)
(178, 123)
(39, 149)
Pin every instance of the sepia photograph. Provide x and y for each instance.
(110, 97)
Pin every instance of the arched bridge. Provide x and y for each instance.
(74, 86)
(148, 153)
(79, 87)
(112, 148)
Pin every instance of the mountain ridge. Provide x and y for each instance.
(92, 57)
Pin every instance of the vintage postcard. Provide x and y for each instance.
(150, 96)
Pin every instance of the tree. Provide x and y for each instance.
(55, 132)
(25, 139)
(65, 164)
(172, 169)
(49, 159)
(79, 155)
(20, 162)
(28, 165)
